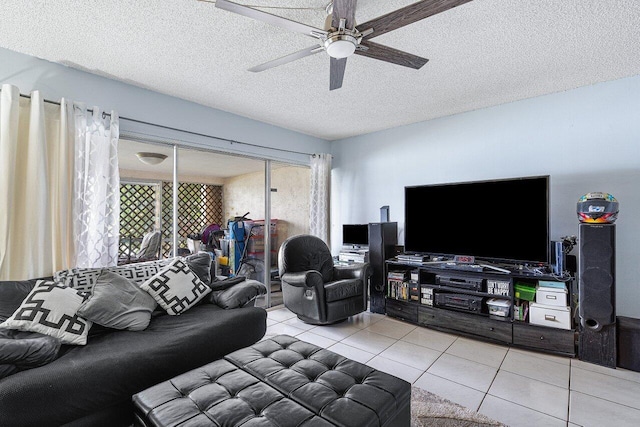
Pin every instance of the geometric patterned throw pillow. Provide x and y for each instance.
(83, 279)
(52, 309)
(176, 288)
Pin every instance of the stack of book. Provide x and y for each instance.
(397, 286)
(402, 286)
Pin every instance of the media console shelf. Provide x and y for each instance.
(481, 302)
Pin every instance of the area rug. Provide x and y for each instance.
(428, 409)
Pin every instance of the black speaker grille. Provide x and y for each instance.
(597, 279)
(597, 275)
(597, 250)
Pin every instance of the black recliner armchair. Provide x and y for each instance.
(313, 288)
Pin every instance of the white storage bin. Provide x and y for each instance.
(551, 296)
(551, 284)
(550, 315)
(499, 307)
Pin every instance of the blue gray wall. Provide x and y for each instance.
(55, 81)
(587, 139)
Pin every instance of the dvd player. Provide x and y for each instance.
(460, 301)
(469, 283)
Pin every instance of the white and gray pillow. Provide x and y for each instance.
(52, 309)
(176, 288)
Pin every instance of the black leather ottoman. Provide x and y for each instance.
(219, 394)
(280, 381)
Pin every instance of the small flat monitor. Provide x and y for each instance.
(355, 235)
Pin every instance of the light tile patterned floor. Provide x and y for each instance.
(517, 387)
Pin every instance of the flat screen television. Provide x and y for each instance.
(504, 220)
(355, 235)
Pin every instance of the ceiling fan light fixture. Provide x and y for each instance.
(151, 158)
(341, 45)
(340, 38)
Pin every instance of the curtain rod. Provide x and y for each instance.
(231, 141)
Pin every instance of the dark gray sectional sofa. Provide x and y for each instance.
(92, 384)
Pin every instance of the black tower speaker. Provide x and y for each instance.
(597, 294)
(383, 238)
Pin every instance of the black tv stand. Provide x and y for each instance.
(459, 293)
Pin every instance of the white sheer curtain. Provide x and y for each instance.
(320, 196)
(59, 186)
(36, 164)
(96, 209)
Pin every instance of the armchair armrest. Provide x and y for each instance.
(353, 271)
(307, 279)
(303, 292)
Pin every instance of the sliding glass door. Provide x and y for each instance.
(222, 206)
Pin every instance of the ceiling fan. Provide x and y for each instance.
(342, 37)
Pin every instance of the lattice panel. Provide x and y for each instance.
(137, 213)
(198, 206)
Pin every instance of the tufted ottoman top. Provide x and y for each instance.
(278, 382)
(219, 394)
(340, 390)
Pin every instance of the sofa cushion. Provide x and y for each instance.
(237, 295)
(52, 309)
(222, 284)
(176, 288)
(200, 264)
(118, 303)
(21, 350)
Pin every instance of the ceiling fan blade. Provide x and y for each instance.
(407, 15)
(344, 9)
(389, 54)
(278, 21)
(287, 58)
(336, 73)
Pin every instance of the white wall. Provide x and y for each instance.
(57, 81)
(587, 139)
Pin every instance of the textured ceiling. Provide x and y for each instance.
(482, 53)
